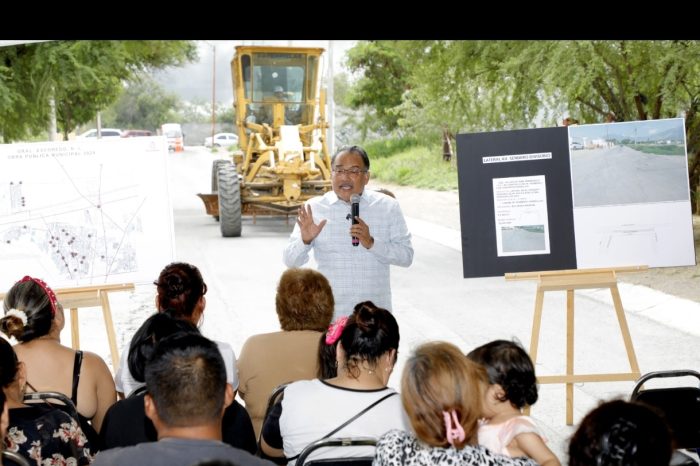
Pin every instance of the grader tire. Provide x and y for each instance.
(215, 173)
(229, 200)
(214, 177)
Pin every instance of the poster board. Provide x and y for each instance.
(81, 213)
(589, 196)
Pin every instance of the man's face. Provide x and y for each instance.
(353, 175)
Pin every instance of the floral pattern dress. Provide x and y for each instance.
(47, 437)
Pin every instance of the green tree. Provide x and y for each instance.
(143, 104)
(494, 85)
(83, 77)
(384, 74)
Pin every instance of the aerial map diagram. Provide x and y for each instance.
(80, 213)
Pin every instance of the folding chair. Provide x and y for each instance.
(11, 458)
(53, 399)
(337, 443)
(62, 402)
(680, 406)
(275, 397)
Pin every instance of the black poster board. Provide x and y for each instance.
(542, 152)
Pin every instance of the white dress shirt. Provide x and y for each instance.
(356, 274)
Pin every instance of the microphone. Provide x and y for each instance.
(355, 199)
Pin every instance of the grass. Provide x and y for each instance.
(417, 166)
(659, 149)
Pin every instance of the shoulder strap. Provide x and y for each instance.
(76, 376)
(350, 420)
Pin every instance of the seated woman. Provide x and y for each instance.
(181, 291)
(126, 423)
(41, 433)
(304, 303)
(621, 433)
(442, 392)
(366, 344)
(35, 318)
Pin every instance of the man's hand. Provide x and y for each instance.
(309, 230)
(360, 230)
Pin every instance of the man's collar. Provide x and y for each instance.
(333, 197)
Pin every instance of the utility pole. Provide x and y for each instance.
(331, 101)
(213, 95)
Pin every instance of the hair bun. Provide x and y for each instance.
(366, 317)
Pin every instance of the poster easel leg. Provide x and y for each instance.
(111, 336)
(569, 356)
(74, 329)
(624, 329)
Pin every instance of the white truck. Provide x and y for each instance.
(174, 135)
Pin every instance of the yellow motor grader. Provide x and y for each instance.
(280, 116)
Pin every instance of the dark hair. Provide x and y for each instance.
(154, 329)
(180, 286)
(327, 364)
(29, 297)
(304, 300)
(8, 364)
(621, 433)
(186, 378)
(354, 150)
(509, 366)
(370, 332)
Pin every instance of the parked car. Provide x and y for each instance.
(575, 145)
(133, 133)
(222, 140)
(104, 133)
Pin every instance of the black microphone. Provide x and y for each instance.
(355, 199)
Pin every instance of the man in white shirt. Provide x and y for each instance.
(356, 273)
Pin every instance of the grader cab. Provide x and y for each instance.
(280, 117)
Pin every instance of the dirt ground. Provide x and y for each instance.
(442, 208)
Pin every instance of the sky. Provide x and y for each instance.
(194, 81)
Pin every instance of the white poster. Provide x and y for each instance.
(631, 195)
(80, 213)
(520, 208)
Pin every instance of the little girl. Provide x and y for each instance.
(512, 387)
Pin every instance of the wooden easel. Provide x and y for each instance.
(91, 296)
(571, 280)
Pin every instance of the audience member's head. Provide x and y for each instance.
(4, 420)
(186, 382)
(181, 291)
(9, 365)
(30, 307)
(369, 334)
(441, 391)
(509, 366)
(154, 329)
(621, 433)
(304, 300)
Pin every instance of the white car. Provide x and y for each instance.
(104, 133)
(222, 140)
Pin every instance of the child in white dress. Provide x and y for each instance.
(512, 386)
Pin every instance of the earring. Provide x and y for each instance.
(387, 369)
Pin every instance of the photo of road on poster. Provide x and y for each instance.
(630, 194)
(520, 209)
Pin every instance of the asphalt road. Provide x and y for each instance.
(431, 300)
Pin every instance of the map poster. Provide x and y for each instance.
(80, 213)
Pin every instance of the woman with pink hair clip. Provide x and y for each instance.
(441, 391)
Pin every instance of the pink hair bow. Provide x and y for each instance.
(335, 330)
(453, 433)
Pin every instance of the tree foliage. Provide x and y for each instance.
(495, 85)
(144, 104)
(83, 77)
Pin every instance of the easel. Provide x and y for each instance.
(571, 280)
(91, 296)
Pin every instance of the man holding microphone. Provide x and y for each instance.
(353, 251)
